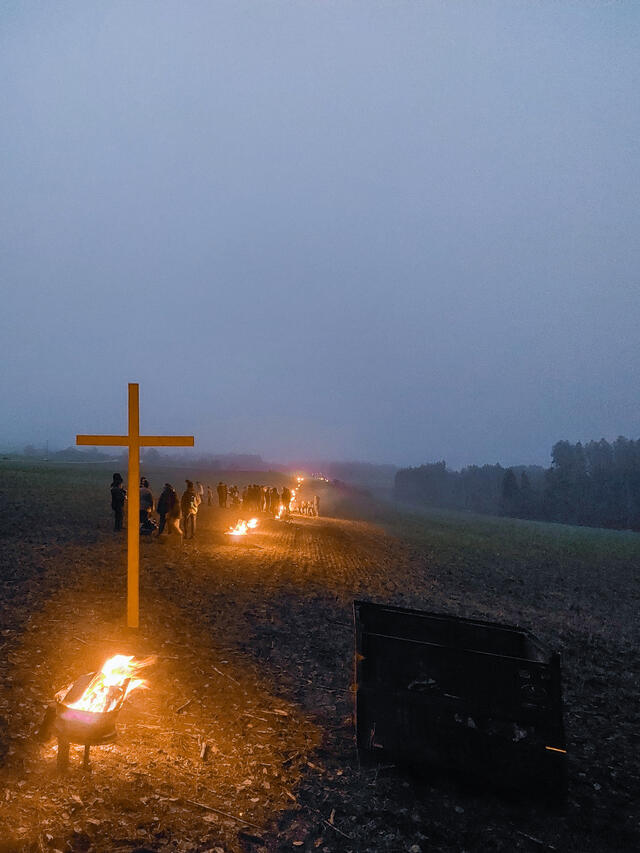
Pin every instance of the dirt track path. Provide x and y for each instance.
(255, 645)
(255, 637)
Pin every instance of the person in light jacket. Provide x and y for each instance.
(146, 501)
(189, 503)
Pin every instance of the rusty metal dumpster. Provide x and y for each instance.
(478, 698)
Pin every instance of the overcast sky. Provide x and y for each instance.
(390, 231)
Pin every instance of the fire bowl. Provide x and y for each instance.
(87, 727)
(73, 725)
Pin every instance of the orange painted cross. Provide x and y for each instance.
(134, 441)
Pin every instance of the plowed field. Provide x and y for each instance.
(244, 740)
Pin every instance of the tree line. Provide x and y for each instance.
(151, 456)
(596, 484)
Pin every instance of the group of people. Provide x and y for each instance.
(311, 508)
(257, 498)
(253, 498)
(178, 514)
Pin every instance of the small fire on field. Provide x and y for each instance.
(109, 687)
(85, 712)
(242, 527)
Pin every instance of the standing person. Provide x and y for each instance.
(209, 495)
(118, 497)
(146, 501)
(173, 516)
(189, 503)
(166, 503)
(286, 499)
(221, 489)
(316, 506)
(200, 490)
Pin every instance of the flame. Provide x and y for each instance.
(280, 511)
(108, 686)
(242, 527)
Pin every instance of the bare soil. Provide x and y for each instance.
(245, 739)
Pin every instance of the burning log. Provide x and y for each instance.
(85, 712)
(242, 527)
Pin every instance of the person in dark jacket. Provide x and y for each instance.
(174, 517)
(221, 489)
(118, 497)
(167, 506)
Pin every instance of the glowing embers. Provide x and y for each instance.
(242, 527)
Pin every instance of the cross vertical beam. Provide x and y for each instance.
(133, 508)
(134, 441)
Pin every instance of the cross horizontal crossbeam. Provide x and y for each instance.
(142, 440)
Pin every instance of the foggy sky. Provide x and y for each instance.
(390, 231)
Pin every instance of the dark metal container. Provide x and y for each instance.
(87, 727)
(72, 725)
(478, 698)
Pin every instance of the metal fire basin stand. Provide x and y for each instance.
(478, 698)
(71, 725)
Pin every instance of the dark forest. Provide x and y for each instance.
(596, 484)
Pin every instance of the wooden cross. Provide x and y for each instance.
(134, 441)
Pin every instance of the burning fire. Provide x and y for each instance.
(242, 527)
(280, 511)
(106, 688)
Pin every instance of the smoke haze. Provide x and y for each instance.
(388, 231)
